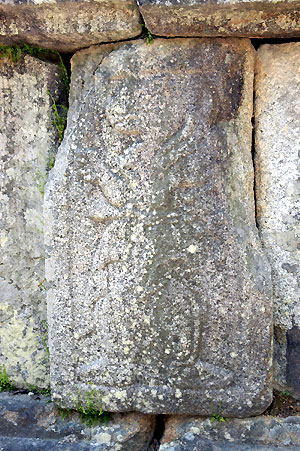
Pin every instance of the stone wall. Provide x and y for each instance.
(28, 142)
(171, 216)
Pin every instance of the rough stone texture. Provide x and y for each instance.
(31, 422)
(27, 138)
(277, 119)
(159, 292)
(68, 25)
(265, 433)
(252, 18)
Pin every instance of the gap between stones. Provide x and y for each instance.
(253, 157)
(158, 433)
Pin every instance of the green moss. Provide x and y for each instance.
(40, 391)
(90, 410)
(5, 384)
(284, 394)
(217, 416)
(149, 36)
(11, 52)
(14, 52)
(59, 113)
(91, 413)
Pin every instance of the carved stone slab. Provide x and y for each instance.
(27, 140)
(159, 292)
(67, 25)
(277, 117)
(252, 18)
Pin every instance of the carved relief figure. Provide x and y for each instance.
(147, 203)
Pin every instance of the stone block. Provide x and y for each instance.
(260, 433)
(27, 139)
(32, 422)
(159, 292)
(252, 18)
(277, 147)
(67, 26)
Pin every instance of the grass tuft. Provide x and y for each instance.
(91, 414)
(5, 384)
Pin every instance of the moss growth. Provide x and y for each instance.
(11, 52)
(60, 121)
(217, 416)
(91, 413)
(40, 391)
(14, 52)
(149, 36)
(5, 384)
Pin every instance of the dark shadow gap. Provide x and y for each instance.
(253, 159)
(158, 433)
(257, 42)
(66, 57)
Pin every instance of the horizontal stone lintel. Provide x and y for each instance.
(196, 18)
(68, 26)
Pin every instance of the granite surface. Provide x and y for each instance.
(277, 150)
(159, 293)
(32, 422)
(239, 18)
(67, 26)
(28, 139)
(249, 434)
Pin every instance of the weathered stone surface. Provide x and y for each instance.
(31, 422)
(260, 433)
(68, 25)
(27, 138)
(252, 18)
(159, 291)
(277, 119)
